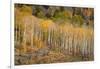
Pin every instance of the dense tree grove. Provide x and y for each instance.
(49, 34)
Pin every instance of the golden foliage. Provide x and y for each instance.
(47, 34)
(46, 24)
